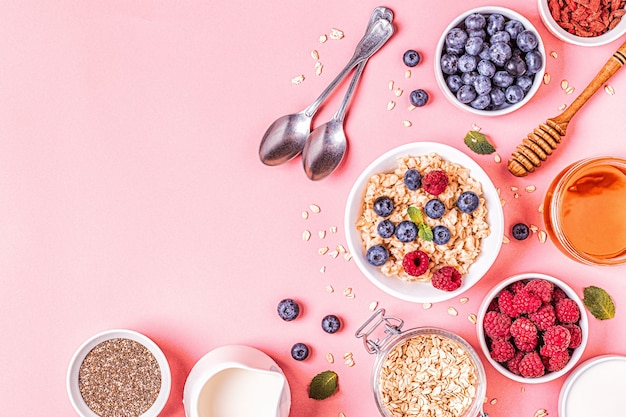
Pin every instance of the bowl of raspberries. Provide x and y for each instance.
(532, 328)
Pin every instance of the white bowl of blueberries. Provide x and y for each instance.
(490, 61)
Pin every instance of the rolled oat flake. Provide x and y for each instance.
(119, 377)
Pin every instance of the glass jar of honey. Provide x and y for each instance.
(585, 211)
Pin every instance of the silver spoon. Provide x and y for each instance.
(326, 145)
(285, 138)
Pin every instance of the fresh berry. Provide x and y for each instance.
(555, 339)
(474, 45)
(386, 228)
(411, 58)
(576, 334)
(446, 278)
(418, 97)
(441, 235)
(523, 329)
(516, 66)
(449, 63)
(435, 182)
(475, 21)
(406, 231)
(514, 27)
(505, 303)
(526, 344)
(520, 231)
(299, 351)
(557, 361)
(495, 23)
(434, 208)
(467, 202)
(558, 295)
(456, 38)
(527, 41)
(567, 311)
(513, 363)
(544, 318)
(377, 255)
(541, 288)
(331, 323)
(517, 286)
(525, 302)
(502, 350)
(415, 263)
(497, 325)
(412, 179)
(534, 61)
(288, 309)
(531, 366)
(514, 94)
(466, 94)
(383, 206)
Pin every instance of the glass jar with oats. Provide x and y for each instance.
(424, 371)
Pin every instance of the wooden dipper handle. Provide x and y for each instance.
(548, 135)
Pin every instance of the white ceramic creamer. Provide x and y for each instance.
(236, 381)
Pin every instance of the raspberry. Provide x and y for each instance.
(493, 305)
(576, 334)
(543, 318)
(502, 350)
(558, 294)
(435, 182)
(567, 311)
(531, 366)
(557, 361)
(526, 344)
(513, 363)
(525, 302)
(541, 288)
(497, 325)
(446, 278)
(555, 339)
(523, 329)
(516, 287)
(505, 304)
(415, 263)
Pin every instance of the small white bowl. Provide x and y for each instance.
(506, 108)
(583, 323)
(79, 356)
(422, 292)
(554, 28)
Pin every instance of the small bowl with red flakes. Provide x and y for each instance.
(532, 328)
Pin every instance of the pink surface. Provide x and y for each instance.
(131, 193)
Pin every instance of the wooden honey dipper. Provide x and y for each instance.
(539, 144)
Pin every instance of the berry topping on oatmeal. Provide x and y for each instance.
(435, 182)
(415, 263)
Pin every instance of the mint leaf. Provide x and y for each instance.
(424, 232)
(599, 303)
(323, 385)
(479, 143)
(415, 215)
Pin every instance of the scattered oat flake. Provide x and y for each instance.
(463, 300)
(306, 235)
(407, 74)
(305, 215)
(542, 412)
(341, 414)
(347, 291)
(347, 355)
(373, 305)
(533, 228)
(497, 158)
(493, 401)
(562, 107)
(330, 358)
(426, 306)
(411, 107)
(554, 55)
(315, 208)
(341, 249)
(564, 85)
(546, 78)
(505, 239)
(391, 105)
(475, 127)
(502, 202)
(333, 229)
(322, 251)
(351, 296)
(297, 80)
(318, 68)
(498, 191)
(347, 256)
(333, 254)
(349, 362)
(323, 270)
(609, 89)
(322, 234)
(323, 38)
(406, 123)
(391, 85)
(514, 188)
(398, 91)
(452, 311)
(472, 318)
(542, 236)
(336, 33)
(530, 188)
(330, 289)
(315, 55)
(569, 90)
(516, 195)
(540, 209)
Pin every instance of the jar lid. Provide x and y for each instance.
(595, 388)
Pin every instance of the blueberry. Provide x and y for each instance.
(288, 309)
(383, 206)
(467, 202)
(466, 94)
(520, 231)
(412, 179)
(418, 97)
(467, 63)
(484, 53)
(454, 83)
(502, 79)
(481, 102)
(502, 36)
(482, 85)
(515, 66)
(441, 235)
(385, 228)
(455, 51)
(474, 45)
(456, 38)
(527, 41)
(534, 61)
(469, 77)
(475, 21)
(299, 351)
(514, 27)
(500, 52)
(411, 58)
(486, 68)
(525, 82)
(514, 94)
(449, 64)
(434, 208)
(377, 255)
(477, 33)
(497, 96)
(406, 231)
(495, 23)
(331, 323)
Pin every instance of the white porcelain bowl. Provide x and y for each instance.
(507, 107)
(81, 353)
(421, 292)
(577, 352)
(549, 22)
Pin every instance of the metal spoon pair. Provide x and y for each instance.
(324, 148)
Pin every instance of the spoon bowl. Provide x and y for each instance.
(324, 150)
(285, 138)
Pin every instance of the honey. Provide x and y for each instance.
(584, 211)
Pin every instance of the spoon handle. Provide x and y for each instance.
(341, 112)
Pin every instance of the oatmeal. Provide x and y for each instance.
(466, 229)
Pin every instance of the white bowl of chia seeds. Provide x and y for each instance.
(118, 372)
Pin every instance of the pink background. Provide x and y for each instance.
(132, 196)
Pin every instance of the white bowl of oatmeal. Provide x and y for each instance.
(475, 238)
